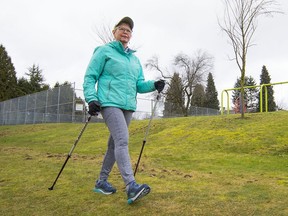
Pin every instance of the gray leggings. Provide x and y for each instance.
(117, 121)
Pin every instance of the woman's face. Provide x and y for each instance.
(123, 34)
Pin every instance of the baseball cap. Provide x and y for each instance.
(126, 20)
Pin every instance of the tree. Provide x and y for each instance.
(8, 79)
(211, 94)
(174, 103)
(36, 80)
(24, 86)
(191, 71)
(198, 98)
(104, 34)
(250, 95)
(34, 83)
(265, 79)
(240, 24)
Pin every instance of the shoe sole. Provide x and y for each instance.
(97, 190)
(138, 196)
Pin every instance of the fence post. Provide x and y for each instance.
(34, 113)
(26, 109)
(73, 103)
(46, 105)
(151, 106)
(58, 107)
(17, 111)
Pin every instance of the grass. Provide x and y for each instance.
(213, 165)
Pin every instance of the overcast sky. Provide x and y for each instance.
(59, 36)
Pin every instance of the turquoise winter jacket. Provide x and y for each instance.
(119, 76)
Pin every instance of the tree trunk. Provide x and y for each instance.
(242, 102)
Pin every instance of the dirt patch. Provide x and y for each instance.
(73, 157)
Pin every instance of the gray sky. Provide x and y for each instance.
(59, 36)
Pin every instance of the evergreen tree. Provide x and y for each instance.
(36, 80)
(192, 71)
(24, 86)
(265, 79)
(211, 94)
(250, 95)
(174, 103)
(236, 93)
(198, 98)
(8, 79)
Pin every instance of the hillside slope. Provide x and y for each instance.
(212, 165)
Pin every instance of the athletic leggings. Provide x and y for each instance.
(117, 121)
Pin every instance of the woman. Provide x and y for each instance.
(119, 77)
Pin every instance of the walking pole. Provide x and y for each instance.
(70, 153)
(146, 134)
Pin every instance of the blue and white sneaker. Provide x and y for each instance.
(104, 187)
(136, 191)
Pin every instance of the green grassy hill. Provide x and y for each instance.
(212, 165)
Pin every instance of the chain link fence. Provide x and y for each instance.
(66, 104)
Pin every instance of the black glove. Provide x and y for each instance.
(94, 108)
(159, 85)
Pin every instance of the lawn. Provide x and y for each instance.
(211, 165)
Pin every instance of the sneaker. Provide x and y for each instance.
(104, 187)
(136, 191)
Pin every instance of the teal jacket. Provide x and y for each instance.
(118, 75)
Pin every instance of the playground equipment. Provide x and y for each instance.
(256, 86)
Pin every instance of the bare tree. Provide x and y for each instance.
(193, 71)
(153, 64)
(104, 34)
(240, 24)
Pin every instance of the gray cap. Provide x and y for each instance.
(126, 20)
